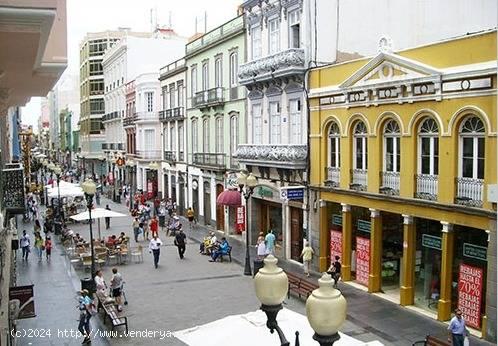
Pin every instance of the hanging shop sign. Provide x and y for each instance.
(431, 241)
(362, 260)
(231, 180)
(265, 192)
(120, 161)
(363, 226)
(110, 178)
(337, 219)
(470, 294)
(25, 295)
(475, 251)
(335, 245)
(241, 219)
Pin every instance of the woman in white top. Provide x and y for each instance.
(261, 246)
(100, 282)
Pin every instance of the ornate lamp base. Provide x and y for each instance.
(326, 340)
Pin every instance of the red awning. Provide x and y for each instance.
(230, 198)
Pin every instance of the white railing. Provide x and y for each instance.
(359, 179)
(390, 183)
(427, 186)
(149, 154)
(333, 176)
(147, 115)
(469, 192)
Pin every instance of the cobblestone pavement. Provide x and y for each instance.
(184, 293)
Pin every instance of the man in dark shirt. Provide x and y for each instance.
(335, 270)
(180, 240)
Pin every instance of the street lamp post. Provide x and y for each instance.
(89, 188)
(325, 307)
(246, 187)
(58, 223)
(131, 165)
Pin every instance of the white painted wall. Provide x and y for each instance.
(409, 22)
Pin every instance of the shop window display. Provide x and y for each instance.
(392, 252)
(360, 258)
(469, 274)
(427, 264)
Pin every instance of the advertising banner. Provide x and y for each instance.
(335, 245)
(362, 260)
(25, 295)
(470, 294)
(241, 219)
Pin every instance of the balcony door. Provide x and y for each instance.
(207, 203)
(220, 210)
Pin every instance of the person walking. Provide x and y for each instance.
(107, 219)
(85, 307)
(307, 255)
(261, 247)
(154, 247)
(190, 217)
(116, 285)
(335, 270)
(136, 228)
(457, 331)
(39, 246)
(270, 243)
(25, 243)
(48, 247)
(180, 240)
(154, 226)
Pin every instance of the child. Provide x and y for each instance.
(307, 255)
(48, 248)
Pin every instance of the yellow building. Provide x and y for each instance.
(403, 150)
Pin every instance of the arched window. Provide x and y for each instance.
(205, 135)
(360, 146)
(471, 156)
(428, 147)
(219, 134)
(195, 139)
(392, 155)
(334, 146)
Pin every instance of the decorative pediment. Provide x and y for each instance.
(389, 67)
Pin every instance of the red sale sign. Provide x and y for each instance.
(362, 260)
(241, 218)
(335, 245)
(470, 294)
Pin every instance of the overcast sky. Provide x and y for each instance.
(98, 15)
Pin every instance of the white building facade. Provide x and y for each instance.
(148, 131)
(284, 39)
(130, 57)
(173, 176)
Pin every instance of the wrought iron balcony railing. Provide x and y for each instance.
(469, 192)
(129, 121)
(427, 186)
(292, 156)
(390, 183)
(206, 98)
(212, 160)
(169, 156)
(172, 114)
(333, 175)
(359, 179)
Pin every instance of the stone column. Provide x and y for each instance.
(444, 304)
(324, 238)
(375, 278)
(347, 233)
(408, 262)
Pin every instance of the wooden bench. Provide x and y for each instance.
(116, 319)
(431, 341)
(111, 311)
(229, 254)
(300, 285)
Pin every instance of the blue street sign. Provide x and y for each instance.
(295, 193)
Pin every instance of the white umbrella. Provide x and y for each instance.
(65, 192)
(64, 184)
(97, 213)
(41, 156)
(250, 329)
